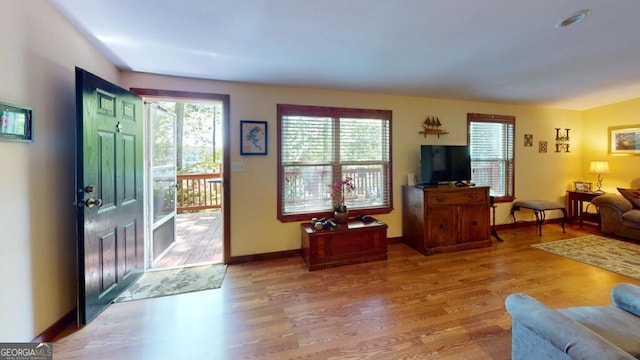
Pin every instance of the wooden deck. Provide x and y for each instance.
(198, 240)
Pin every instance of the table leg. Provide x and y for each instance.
(494, 233)
(513, 214)
(540, 215)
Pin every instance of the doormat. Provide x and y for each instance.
(176, 281)
(609, 254)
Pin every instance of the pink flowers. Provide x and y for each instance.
(338, 189)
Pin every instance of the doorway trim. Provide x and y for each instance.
(226, 156)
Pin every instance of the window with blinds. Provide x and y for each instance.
(491, 140)
(319, 146)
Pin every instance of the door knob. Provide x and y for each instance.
(91, 202)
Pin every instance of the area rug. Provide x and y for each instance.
(609, 254)
(177, 281)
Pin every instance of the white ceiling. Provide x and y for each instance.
(491, 50)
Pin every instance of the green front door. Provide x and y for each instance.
(109, 185)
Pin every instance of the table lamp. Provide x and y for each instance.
(599, 167)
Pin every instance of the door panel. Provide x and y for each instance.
(110, 192)
(442, 225)
(106, 162)
(129, 166)
(107, 256)
(475, 223)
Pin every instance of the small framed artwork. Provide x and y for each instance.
(253, 137)
(16, 123)
(528, 139)
(542, 146)
(624, 140)
(582, 186)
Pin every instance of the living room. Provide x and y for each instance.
(38, 261)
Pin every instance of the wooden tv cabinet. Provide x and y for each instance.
(445, 218)
(350, 243)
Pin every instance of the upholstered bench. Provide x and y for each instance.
(539, 208)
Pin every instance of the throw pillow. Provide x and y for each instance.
(632, 195)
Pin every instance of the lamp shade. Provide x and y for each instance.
(599, 167)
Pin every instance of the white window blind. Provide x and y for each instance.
(319, 146)
(491, 140)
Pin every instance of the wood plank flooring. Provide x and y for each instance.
(446, 306)
(198, 240)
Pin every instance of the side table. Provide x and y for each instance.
(575, 208)
(350, 243)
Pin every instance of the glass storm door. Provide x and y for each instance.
(162, 176)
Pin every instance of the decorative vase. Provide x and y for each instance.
(340, 217)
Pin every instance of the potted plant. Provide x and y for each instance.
(338, 190)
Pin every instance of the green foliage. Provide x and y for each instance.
(163, 141)
(201, 150)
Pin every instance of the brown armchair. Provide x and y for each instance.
(618, 216)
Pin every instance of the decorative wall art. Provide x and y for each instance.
(542, 146)
(528, 139)
(431, 126)
(562, 140)
(624, 140)
(16, 123)
(253, 137)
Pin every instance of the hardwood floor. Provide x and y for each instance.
(446, 306)
(198, 240)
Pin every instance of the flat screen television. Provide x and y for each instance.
(444, 163)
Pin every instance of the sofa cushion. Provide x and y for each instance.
(613, 324)
(627, 298)
(632, 218)
(632, 195)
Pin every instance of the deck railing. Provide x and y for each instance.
(490, 175)
(310, 188)
(204, 191)
(199, 192)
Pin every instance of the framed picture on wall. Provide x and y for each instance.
(542, 146)
(528, 139)
(624, 140)
(253, 137)
(16, 123)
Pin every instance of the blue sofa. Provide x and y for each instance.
(585, 332)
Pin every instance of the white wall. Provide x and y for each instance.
(38, 52)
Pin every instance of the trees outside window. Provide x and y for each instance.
(198, 138)
(319, 146)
